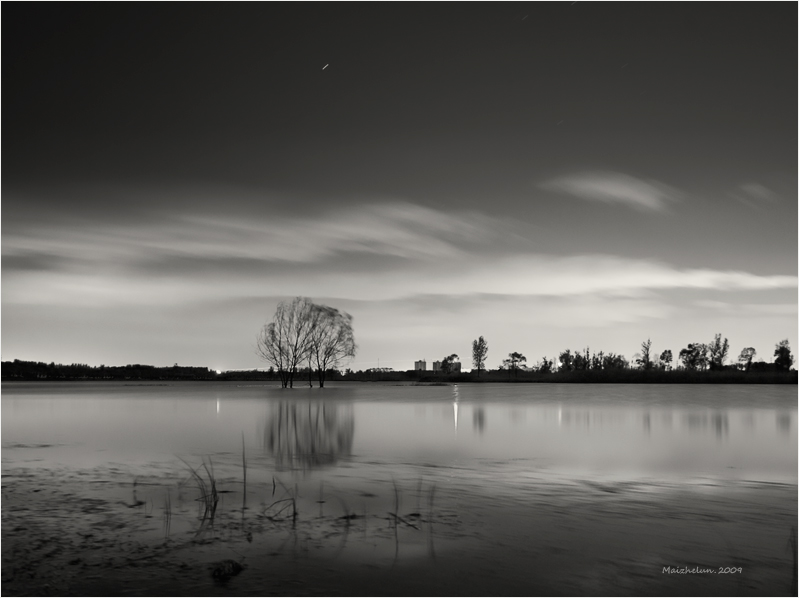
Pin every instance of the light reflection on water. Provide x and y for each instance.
(730, 432)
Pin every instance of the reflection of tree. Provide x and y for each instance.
(308, 434)
(479, 419)
(784, 422)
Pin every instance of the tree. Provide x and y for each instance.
(782, 355)
(447, 363)
(286, 341)
(718, 350)
(479, 354)
(513, 362)
(612, 361)
(694, 356)
(331, 339)
(645, 360)
(582, 361)
(745, 358)
(545, 367)
(566, 361)
(666, 359)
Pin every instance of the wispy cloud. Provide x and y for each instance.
(395, 229)
(615, 187)
(755, 195)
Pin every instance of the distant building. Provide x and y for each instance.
(420, 366)
(436, 366)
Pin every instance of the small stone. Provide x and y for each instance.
(226, 569)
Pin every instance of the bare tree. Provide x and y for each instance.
(479, 354)
(332, 340)
(286, 341)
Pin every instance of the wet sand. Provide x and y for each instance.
(368, 530)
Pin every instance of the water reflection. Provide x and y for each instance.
(699, 422)
(308, 434)
(479, 419)
(455, 404)
(784, 423)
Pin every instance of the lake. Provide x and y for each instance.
(367, 488)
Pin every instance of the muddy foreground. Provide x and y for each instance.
(113, 530)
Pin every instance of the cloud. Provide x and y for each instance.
(755, 195)
(522, 275)
(397, 229)
(777, 310)
(614, 187)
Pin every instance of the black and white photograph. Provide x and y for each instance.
(399, 298)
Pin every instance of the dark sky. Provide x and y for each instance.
(164, 154)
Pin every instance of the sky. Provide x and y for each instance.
(546, 175)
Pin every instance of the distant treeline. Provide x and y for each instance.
(771, 375)
(36, 370)
(761, 373)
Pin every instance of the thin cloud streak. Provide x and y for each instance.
(397, 229)
(615, 187)
(532, 275)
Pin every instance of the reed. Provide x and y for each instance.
(209, 494)
(244, 469)
(167, 514)
(795, 580)
(288, 501)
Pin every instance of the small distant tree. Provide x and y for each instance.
(644, 361)
(582, 361)
(446, 363)
(745, 358)
(717, 350)
(545, 367)
(611, 361)
(479, 354)
(694, 356)
(513, 362)
(782, 355)
(666, 359)
(566, 361)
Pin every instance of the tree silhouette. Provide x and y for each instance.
(745, 358)
(447, 363)
(645, 360)
(782, 354)
(566, 361)
(718, 350)
(302, 331)
(694, 356)
(513, 362)
(545, 366)
(479, 354)
(332, 340)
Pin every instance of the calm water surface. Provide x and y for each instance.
(685, 432)
(484, 489)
